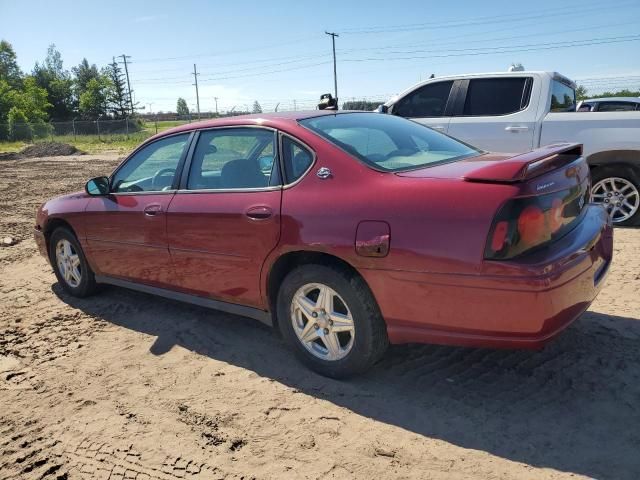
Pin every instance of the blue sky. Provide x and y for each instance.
(277, 52)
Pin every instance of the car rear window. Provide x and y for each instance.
(387, 142)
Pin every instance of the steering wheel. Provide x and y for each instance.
(161, 173)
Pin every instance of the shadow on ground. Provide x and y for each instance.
(574, 407)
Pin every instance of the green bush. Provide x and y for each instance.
(41, 129)
(18, 125)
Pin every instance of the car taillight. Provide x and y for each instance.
(523, 224)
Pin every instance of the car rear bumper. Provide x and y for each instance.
(515, 304)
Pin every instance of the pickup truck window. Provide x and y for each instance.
(427, 101)
(563, 97)
(496, 96)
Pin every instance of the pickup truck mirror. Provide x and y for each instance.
(382, 109)
(97, 187)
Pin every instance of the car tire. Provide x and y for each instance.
(67, 256)
(623, 175)
(352, 303)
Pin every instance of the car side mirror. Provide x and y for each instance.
(382, 109)
(97, 186)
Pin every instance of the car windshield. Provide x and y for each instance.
(386, 142)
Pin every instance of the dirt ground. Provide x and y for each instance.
(125, 385)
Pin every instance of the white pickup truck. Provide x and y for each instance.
(519, 111)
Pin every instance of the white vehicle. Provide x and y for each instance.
(609, 104)
(518, 111)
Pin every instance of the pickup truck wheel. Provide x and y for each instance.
(70, 265)
(618, 189)
(330, 319)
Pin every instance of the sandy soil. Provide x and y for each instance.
(125, 385)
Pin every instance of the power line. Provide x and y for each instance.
(507, 49)
(487, 20)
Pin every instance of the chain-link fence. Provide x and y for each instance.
(101, 129)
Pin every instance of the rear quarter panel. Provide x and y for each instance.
(436, 225)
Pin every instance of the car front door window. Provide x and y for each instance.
(152, 168)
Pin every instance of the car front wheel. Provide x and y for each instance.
(331, 320)
(70, 264)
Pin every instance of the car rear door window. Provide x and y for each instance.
(297, 159)
(233, 158)
(496, 96)
(427, 101)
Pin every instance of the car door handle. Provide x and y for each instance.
(438, 127)
(516, 128)
(152, 209)
(261, 212)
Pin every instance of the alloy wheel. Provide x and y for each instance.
(619, 196)
(68, 262)
(322, 321)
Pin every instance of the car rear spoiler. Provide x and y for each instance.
(527, 165)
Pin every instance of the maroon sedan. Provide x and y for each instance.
(347, 230)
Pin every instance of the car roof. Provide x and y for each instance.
(614, 99)
(274, 120)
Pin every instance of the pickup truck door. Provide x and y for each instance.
(496, 114)
(428, 104)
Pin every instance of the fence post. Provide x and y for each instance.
(73, 125)
(51, 130)
(98, 128)
(126, 121)
(156, 122)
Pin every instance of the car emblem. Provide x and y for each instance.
(323, 173)
(542, 186)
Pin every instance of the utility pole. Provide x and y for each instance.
(195, 76)
(295, 105)
(126, 72)
(335, 75)
(216, 99)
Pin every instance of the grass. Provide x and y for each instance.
(94, 144)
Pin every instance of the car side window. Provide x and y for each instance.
(427, 101)
(616, 107)
(234, 158)
(297, 159)
(152, 168)
(496, 96)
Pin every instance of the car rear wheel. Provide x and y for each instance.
(331, 320)
(70, 264)
(618, 189)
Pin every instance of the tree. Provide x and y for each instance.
(581, 92)
(181, 107)
(24, 110)
(58, 84)
(93, 101)
(361, 105)
(256, 107)
(84, 73)
(9, 70)
(117, 98)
